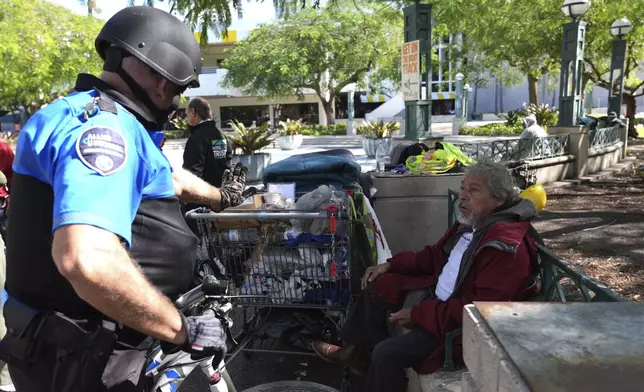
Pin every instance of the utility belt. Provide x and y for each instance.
(82, 348)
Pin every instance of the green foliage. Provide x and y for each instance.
(320, 49)
(252, 139)
(43, 47)
(377, 129)
(290, 127)
(524, 34)
(546, 116)
(514, 118)
(494, 129)
(321, 130)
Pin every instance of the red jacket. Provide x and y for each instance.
(497, 268)
(6, 160)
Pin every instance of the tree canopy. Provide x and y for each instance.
(597, 55)
(43, 48)
(320, 49)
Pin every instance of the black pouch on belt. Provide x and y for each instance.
(82, 348)
(19, 347)
(82, 353)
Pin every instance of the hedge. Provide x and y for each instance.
(494, 129)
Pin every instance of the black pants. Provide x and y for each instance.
(122, 374)
(366, 327)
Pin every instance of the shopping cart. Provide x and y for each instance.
(292, 262)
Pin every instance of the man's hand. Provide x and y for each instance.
(204, 335)
(232, 186)
(372, 273)
(402, 317)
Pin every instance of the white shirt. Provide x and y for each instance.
(447, 278)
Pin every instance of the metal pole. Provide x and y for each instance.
(616, 87)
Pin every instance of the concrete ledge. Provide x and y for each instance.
(442, 381)
(468, 384)
(486, 359)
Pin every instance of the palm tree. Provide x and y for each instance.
(146, 2)
(92, 6)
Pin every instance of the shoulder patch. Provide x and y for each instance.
(102, 149)
(219, 148)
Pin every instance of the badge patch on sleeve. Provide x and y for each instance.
(219, 148)
(102, 149)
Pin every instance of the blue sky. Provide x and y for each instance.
(254, 12)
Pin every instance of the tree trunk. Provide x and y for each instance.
(533, 89)
(329, 111)
(476, 98)
(496, 95)
(631, 108)
(501, 96)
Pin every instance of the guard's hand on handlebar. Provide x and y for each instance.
(232, 186)
(206, 337)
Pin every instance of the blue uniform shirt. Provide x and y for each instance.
(99, 167)
(88, 159)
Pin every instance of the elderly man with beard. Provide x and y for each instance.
(486, 256)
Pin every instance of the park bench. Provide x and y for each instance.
(558, 280)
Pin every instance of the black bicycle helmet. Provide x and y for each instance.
(158, 39)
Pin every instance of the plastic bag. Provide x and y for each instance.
(319, 200)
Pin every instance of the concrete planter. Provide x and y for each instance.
(256, 163)
(290, 142)
(370, 146)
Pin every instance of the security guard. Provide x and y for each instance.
(208, 152)
(97, 245)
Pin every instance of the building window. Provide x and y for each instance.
(208, 70)
(360, 108)
(220, 63)
(246, 115)
(308, 112)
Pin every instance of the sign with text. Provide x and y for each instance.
(411, 71)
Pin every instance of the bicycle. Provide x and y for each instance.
(167, 372)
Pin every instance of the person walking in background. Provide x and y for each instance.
(208, 152)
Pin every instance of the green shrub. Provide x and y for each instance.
(514, 118)
(377, 129)
(321, 130)
(546, 116)
(290, 127)
(494, 129)
(250, 140)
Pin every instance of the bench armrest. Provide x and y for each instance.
(449, 364)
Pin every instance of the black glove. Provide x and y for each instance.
(232, 186)
(206, 337)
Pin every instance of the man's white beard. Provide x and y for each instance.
(468, 221)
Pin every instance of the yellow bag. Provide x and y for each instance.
(438, 161)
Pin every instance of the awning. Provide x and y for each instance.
(373, 98)
(441, 96)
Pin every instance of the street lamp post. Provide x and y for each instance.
(572, 63)
(619, 29)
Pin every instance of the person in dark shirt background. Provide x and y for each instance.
(208, 152)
